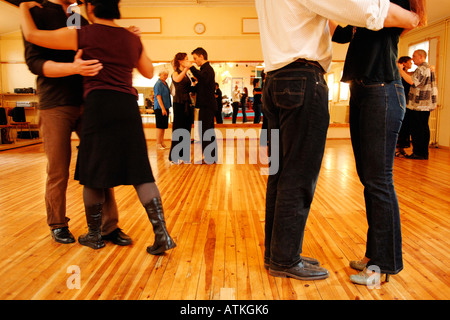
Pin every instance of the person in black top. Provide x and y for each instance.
(377, 108)
(218, 95)
(404, 63)
(206, 102)
(257, 101)
(60, 92)
(244, 97)
(182, 112)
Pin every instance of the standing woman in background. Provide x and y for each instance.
(404, 136)
(244, 97)
(182, 115)
(377, 108)
(113, 149)
(162, 106)
(257, 101)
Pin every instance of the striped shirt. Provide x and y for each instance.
(423, 93)
(294, 29)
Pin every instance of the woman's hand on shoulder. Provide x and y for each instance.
(135, 30)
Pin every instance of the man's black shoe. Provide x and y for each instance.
(300, 271)
(118, 237)
(312, 261)
(416, 157)
(62, 235)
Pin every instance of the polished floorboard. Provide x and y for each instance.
(216, 215)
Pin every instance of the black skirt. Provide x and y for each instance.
(162, 122)
(113, 148)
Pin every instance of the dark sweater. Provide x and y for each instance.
(53, 92)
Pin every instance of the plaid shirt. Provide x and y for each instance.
(423, 93)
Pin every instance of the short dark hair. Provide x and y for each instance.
(201, 52)
(404, 59)
(106, 9)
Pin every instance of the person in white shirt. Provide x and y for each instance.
(236, 102)
(296, 43)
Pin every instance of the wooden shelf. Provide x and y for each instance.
(8, 100)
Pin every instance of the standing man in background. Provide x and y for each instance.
(60, 91)
(206, 102)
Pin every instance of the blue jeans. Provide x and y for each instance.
(376, 114)
(295, 102)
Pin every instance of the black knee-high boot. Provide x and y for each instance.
(163, 241)
(93, 238)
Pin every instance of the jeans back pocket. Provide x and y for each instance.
(289, 92)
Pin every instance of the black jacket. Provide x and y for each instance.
(206, 86)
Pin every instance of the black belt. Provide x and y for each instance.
(303, 61)
(313, 63)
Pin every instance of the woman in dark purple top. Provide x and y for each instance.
(113, 149)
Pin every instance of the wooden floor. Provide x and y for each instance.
(216, 216)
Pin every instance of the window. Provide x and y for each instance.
(344, 92)
(141, 99)
(330, 81)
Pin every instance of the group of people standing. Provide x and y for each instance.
(193, 88)
(185, 95)
(113, 149)
(240, 100)
(296, 41)
(196, 87)
(421, 98)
